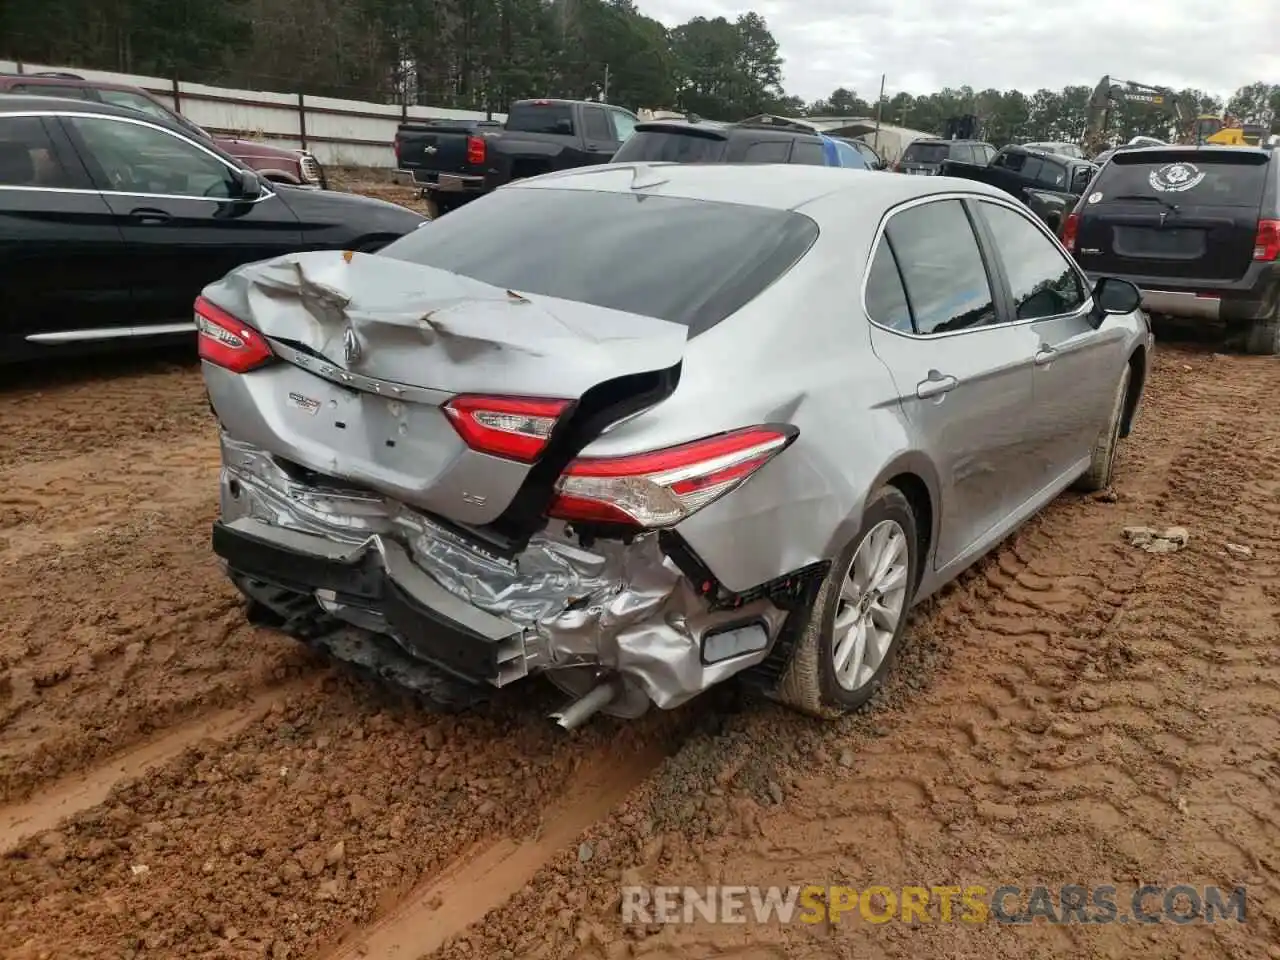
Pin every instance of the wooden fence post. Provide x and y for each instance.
(177, 96)
(302, 121)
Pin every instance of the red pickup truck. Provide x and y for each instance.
(297, 167)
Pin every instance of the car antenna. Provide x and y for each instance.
(643, 176)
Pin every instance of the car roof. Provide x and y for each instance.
(26, 102)
(1220, 149)
(59, 79)
(776, 186)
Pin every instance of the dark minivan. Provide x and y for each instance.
(1197, 229)
(926, 155)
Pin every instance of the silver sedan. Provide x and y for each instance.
(643, 428)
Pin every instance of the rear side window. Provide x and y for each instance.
(926, 152)
(136, 101)
(27, 157)
(541, 118)
(962, 152)
(760, 151)
(652, 146)
(1212, 179)
(692, 262)
(808, 152)
(886, 297)
(595, 124)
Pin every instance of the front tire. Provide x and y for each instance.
(849, 637)
(1103, 464)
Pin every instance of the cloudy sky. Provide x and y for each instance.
(924, 45)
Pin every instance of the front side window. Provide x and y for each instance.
(27, 157)
(808, 152)
(849, 157)
(624, 125)
(692, 262)
(139, 158)
(1041, 278)
(942, 267)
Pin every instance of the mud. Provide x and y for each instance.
(174, 782)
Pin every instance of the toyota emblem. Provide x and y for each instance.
(350, 347)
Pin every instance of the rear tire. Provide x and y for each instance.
(813, 684)
(1263, 338)
(1102, 466)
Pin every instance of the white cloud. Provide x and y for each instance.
(925, 45)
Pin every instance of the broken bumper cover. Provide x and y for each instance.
(379, 578)
(380, 566)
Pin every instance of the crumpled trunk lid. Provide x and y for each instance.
(373, 348)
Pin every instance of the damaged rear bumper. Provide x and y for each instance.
(624, 611)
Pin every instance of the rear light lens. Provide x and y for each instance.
(475, 150)
(1266, 247)
(395, 146)
(227, 342)
(514, 428)
(660, 489)
(1070, 227)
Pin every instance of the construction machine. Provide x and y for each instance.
(1192, 127)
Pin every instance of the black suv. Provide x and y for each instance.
(693, 140)
(1196, 228)
(925, 156)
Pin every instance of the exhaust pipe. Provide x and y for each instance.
(581, 710)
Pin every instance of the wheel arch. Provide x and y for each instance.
(1137, 382)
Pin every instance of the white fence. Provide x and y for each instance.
(338, 132)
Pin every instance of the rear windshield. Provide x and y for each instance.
(676, 146)
(926, 152)
(691, 262)
(1212, 179)
(540, 118)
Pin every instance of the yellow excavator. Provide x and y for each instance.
(1193, 128)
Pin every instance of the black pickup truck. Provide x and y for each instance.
(1048, 183)
(454, 161)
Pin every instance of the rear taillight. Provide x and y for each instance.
(660, 489)
(897, 167)
(395, 146)
(1070, 227)
(227, 342)
(475, 151)
(1266, 246)
(514, 428)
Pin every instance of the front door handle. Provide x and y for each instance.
(149, 215)
(1045, 356)
(937, 385)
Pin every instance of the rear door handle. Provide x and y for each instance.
(937, 385)
(149, 215)
(1045, 356)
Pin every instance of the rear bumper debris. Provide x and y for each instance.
(623, 611)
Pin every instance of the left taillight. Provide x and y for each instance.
(475, 151)
(228, 342)
(661, 488)
(1070, 229)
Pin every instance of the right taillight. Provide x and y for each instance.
(1266, 246)
(661, 488)
(1070, 227)
(226, 342)
(475, 151)
(395, 146)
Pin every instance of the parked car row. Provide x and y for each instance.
(277, 164)
(454, 161)
(111, 221)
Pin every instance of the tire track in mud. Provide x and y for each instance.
(1073, 710)
(66, 798)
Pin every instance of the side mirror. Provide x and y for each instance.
(1114, 297)
(248, 185)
